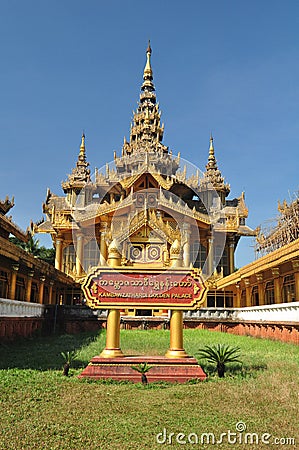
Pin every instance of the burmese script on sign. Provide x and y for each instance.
(143, 289)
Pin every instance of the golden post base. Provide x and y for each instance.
(176, 353)
(111, 353)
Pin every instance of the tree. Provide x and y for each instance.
(47, 255)
(32, 247)
(220, 354)
(17, 242)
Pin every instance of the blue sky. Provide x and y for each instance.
(230, 67)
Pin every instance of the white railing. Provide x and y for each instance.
(283, 312)
(15, 308)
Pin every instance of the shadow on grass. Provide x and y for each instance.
(236, 371)
(44, 353)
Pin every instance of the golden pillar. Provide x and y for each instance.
(13, 281)
(186, 247)
(29, 285)
(248, 292)
(187, 254)
(261, 291)
(238, 297)
(41, 290)
(277, 290)
(231, 255)
(210, 257)
(295, 265)
(296, 286)
(205, 302)
(112, 349)
(58, 253)
(51, 292)
(176, 349)
(79, 254)
(103, 248)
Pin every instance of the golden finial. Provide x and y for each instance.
(82, 146)
(211, 158)
(148, 68)
(211, 150)
(82, 155)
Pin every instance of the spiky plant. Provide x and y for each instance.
(220, 354)
(68, 358)
(32, 245)
(142, 368)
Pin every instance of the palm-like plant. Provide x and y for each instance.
(32, 245)
(68, 358)
(142, 368)
(220, 354)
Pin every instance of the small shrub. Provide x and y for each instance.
(68, 357)
(142, 368)
(220, 354)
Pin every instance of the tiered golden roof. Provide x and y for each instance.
(81, 173)
(213, 175)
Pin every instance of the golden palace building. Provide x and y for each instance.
(147, 209)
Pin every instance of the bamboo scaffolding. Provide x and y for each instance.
(284, 231)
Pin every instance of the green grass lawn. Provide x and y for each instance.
(42, 409)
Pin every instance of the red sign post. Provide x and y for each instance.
(144, 289)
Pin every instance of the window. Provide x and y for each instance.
(46, 295)
(91, 256)
(255, 296)
(288, 289)
(69, 259)
(222, 256)
(20, 289)
(243, 298)
(217, 299)
(3, 284)
(34, 293)
(270, 298)
(198, 254)
(229, 299)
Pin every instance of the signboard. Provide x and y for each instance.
(181, 289)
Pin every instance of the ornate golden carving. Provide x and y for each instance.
(211, 282)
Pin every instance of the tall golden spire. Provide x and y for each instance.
(146, 130)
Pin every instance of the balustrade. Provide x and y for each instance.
(279, 313)
(15, 308)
